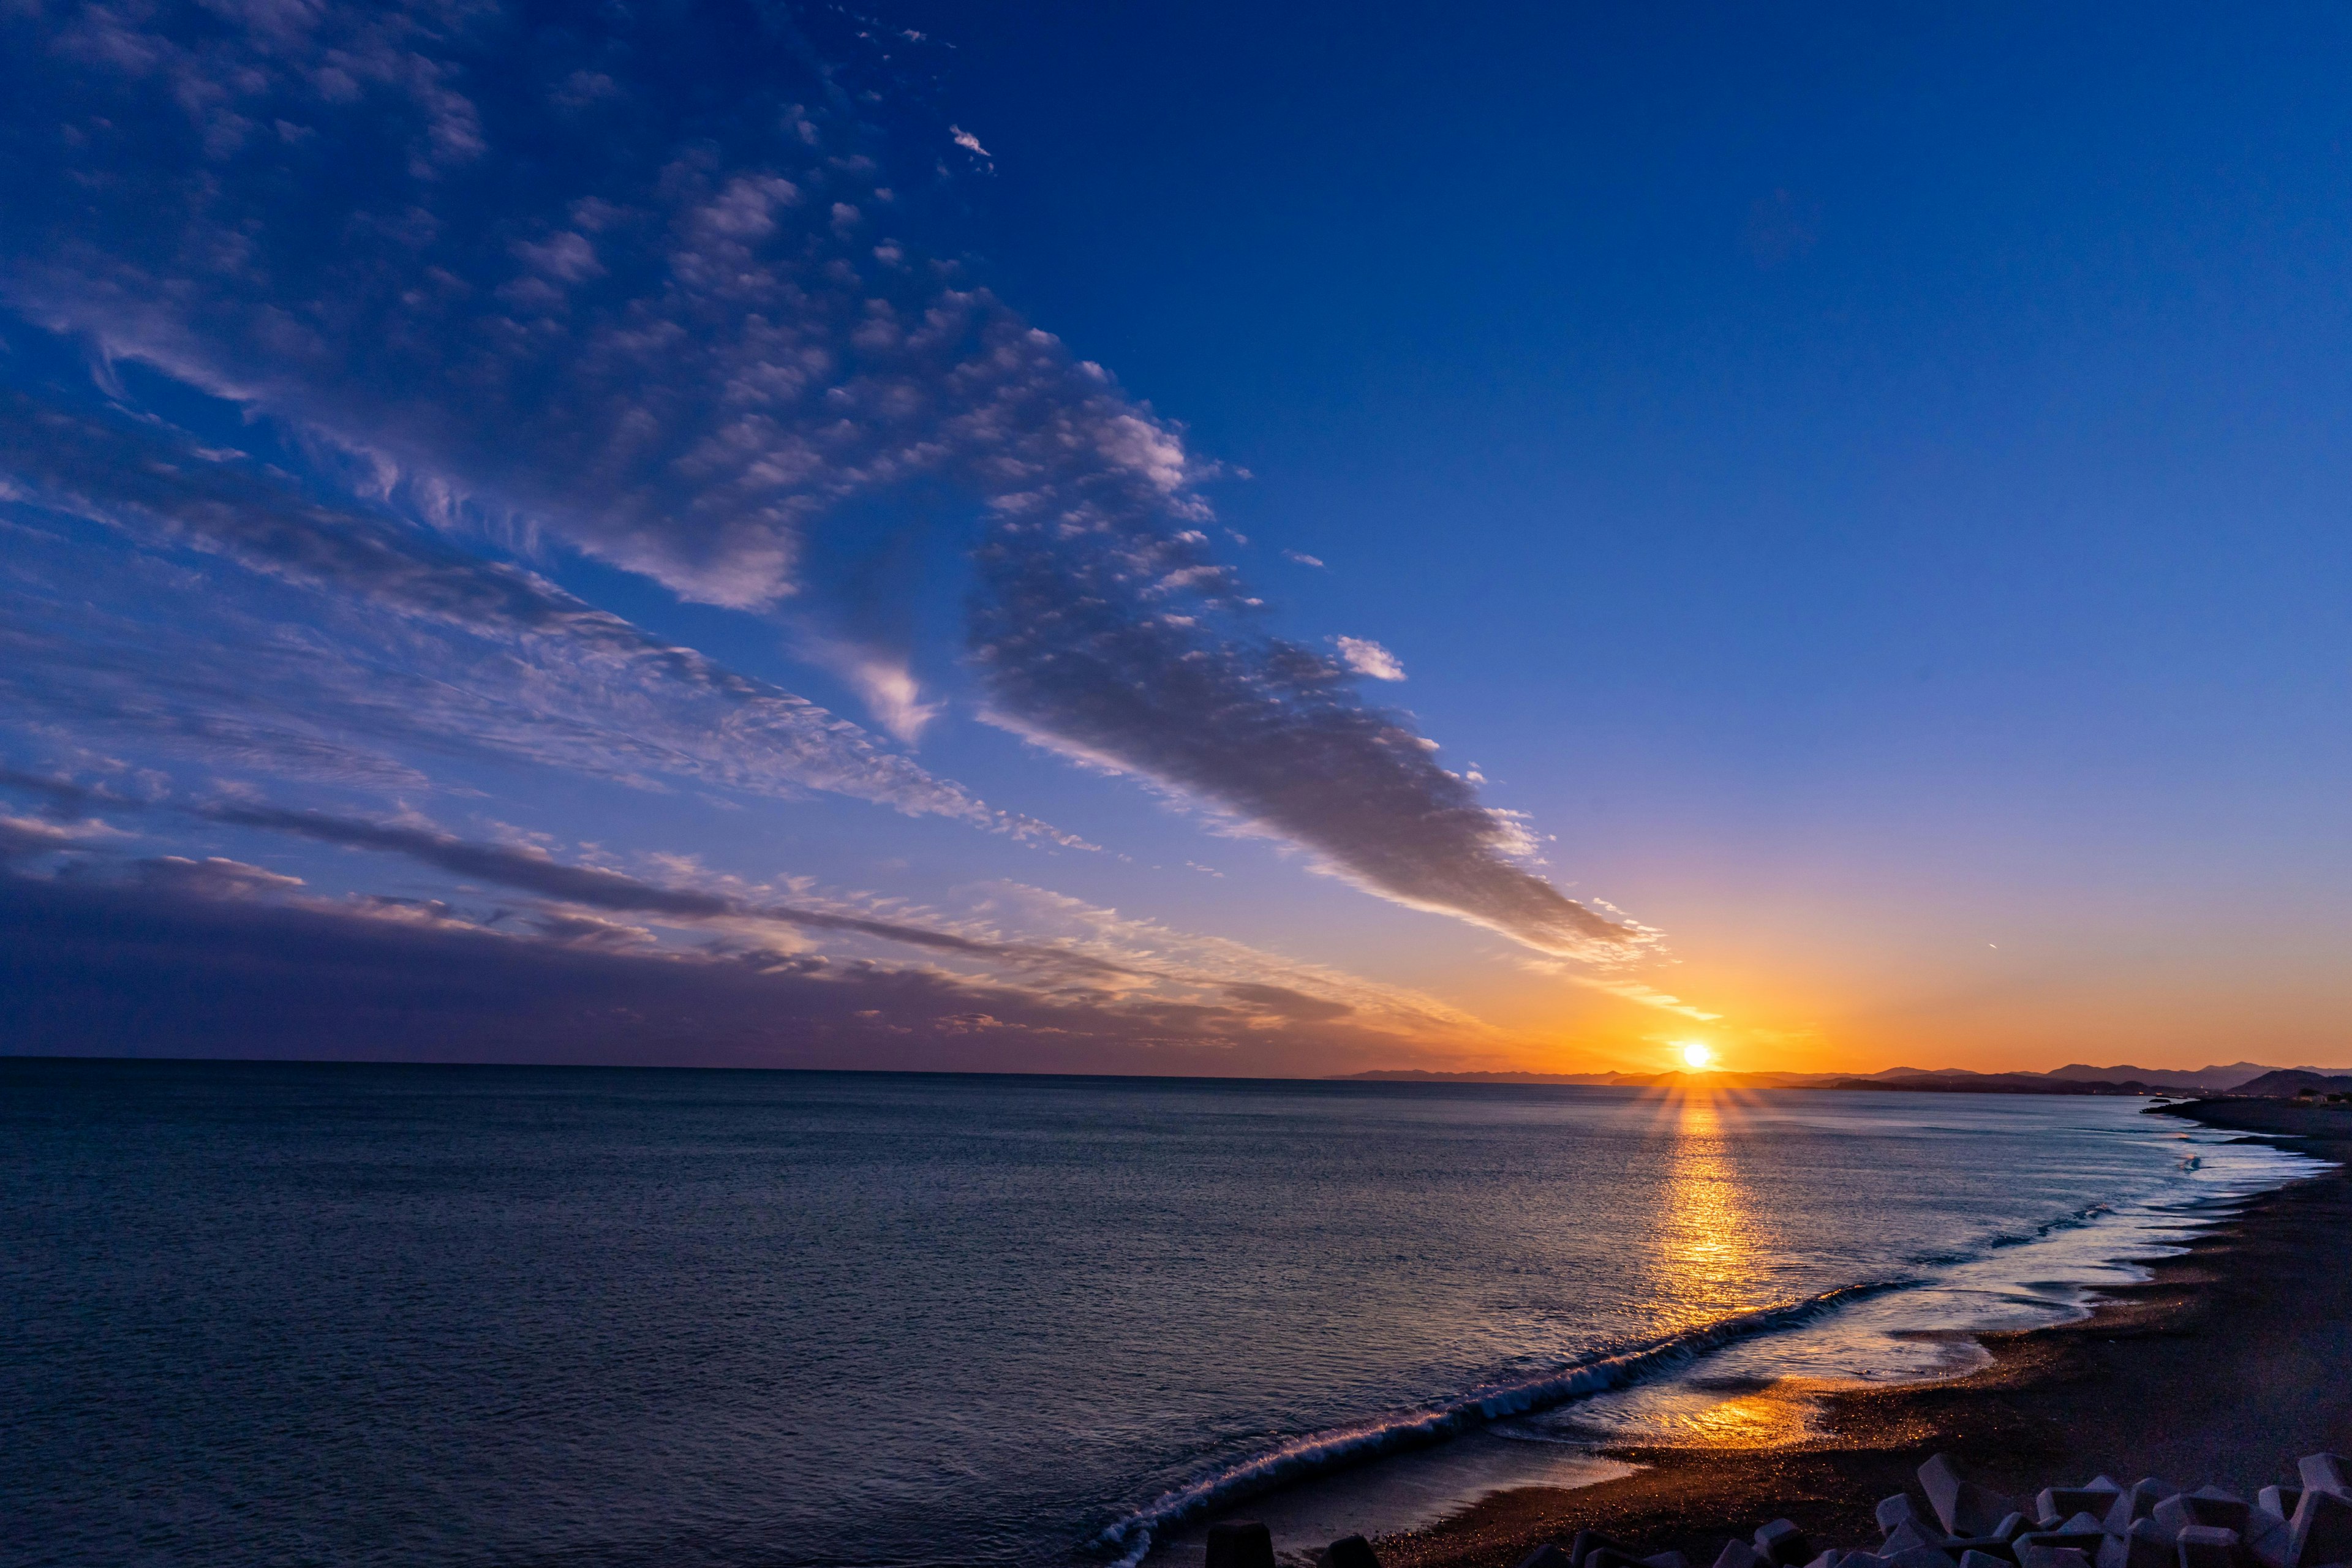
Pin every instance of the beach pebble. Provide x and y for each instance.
(2208, 1546)
(1972, 1558)
(1738, 1555)
(2144, 1544)
(1240, 1543)
(1351, 1551)
(1861, 1560)
(2278, 1502)
(1547, 1556)
(1964, 1507)
(2000, 1547)
(2011, 1526)
(1665, 1559)
(1783, 1545)
(2327, 1473)
(2138, 1502)
(2321, 1528)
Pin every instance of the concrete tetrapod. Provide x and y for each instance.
(2040, 1556)
(2137, 1502)
(2148, 1524)
(1240, 1543)
(2208, 1546)
(1610, 1557)
(1899, 1511)
(2320, 1531)
(2055, 1503)
(1906, 1535)
(1920, 1557)
(1589, 1541)
(2327, 1473)
(1782, 1544)
(2147, 1544)
(1964, 1507)
(2208, 1506)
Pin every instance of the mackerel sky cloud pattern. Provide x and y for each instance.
(652, 289)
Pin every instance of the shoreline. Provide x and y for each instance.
(2225, 1365)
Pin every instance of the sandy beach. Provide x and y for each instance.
(2225, 1366)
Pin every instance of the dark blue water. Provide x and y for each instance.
(455, 1316)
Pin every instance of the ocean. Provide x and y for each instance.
(396, 1316)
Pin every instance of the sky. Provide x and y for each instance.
(1176, 539)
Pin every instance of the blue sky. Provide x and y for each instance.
(1861, 493)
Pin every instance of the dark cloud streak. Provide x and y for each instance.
(594, 888)
(169, 967)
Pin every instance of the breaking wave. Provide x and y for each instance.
(1340, 1448)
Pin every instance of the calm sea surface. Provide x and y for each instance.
(331, 1315)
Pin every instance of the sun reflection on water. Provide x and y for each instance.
(1708, 1256)
(1705, 1245)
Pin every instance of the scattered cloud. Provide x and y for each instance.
(565, 676)
(1368, 658)
(1301, 558)
(678, 346)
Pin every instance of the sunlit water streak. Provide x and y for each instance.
(400, 1316)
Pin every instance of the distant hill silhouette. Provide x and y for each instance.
(2076, 1077)
(2285, 1083)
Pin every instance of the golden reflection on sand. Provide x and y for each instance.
(1772, 1419)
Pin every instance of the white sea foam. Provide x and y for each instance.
(1433, 1424)
(1904, 1328)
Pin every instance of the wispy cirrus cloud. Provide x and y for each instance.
(686, 335)
(566, 676)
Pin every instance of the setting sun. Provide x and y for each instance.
(1697, 1057)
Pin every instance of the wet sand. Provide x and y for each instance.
(2230, 1364)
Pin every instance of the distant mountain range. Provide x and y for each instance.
(2076, 1077)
